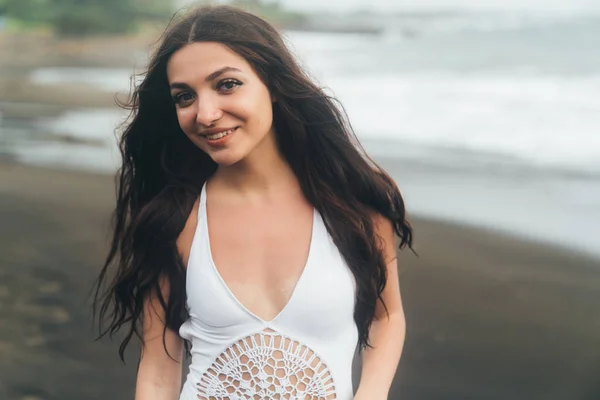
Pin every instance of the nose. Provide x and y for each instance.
(208, 111)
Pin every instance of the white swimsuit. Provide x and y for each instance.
(305, 352)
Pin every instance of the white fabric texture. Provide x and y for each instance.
(304, 353)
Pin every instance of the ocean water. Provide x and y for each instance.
(523, 87)
(499, 113)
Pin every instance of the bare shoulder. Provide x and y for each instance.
(385, 231)
(382, 225)
(185, 238)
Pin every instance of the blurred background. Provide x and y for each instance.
(486, 113)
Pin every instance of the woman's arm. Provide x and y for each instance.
(159, 376)
(387, 332)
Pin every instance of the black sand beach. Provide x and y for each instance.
(489, 317)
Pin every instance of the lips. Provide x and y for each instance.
(218, 139)
(218, 134)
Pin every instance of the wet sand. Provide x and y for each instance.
(489, 317)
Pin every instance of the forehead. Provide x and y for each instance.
(199, 59)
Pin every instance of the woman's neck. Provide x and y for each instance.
(259, 175)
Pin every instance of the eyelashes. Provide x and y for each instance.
(225, 86)
(182, 97)
(225, 82)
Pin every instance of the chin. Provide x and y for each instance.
(225, 163)
(225, 160)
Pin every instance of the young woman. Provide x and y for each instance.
(250, 225)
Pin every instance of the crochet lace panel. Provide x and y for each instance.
(267, 365)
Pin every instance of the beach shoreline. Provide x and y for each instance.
(489, 315)
(72, 125)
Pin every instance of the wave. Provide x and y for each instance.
(436, 23)
(544, 121)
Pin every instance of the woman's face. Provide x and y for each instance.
(222, 105)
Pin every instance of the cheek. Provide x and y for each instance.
(261, 114)
(186, 120)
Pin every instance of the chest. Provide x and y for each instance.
(311, 292)
(261, 255)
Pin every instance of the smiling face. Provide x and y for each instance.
(222, 105)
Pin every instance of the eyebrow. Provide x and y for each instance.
(210, 77)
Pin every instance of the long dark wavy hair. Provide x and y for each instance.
(162, 174)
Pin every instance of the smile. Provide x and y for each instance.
(219, 135)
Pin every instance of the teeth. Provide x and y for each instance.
(219, 135)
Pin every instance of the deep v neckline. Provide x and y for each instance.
(213, 265)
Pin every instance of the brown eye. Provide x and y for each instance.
(182, 98)
(228, 85)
